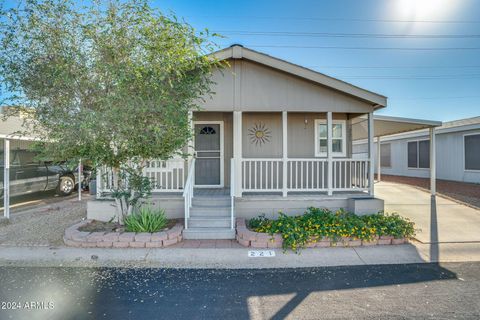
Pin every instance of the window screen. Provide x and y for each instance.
(419, 154)
(472, 152)
(385, 155)
(424, 154)
(412, 154)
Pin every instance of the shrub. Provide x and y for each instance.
(317, 223)
(146, 219)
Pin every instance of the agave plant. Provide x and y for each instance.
(146, 219)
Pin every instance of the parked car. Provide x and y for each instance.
(28, 175)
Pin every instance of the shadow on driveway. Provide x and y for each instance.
(119, 293)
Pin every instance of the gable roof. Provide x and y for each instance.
(240, 52)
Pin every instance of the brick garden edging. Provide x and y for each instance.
(75, 238)
(248, 238)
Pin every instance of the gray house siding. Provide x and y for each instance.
(450, 157)
(249, 86)
(301, 133)
(271, 148)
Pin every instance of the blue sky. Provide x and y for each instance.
(431, 84)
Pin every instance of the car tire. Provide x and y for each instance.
(66, 185)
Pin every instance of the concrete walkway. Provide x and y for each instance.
(440, 221)
(237, 258)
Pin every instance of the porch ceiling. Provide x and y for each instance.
(386, 125)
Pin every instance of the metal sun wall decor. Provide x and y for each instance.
(259, 134)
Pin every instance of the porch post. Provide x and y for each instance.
(190, 148)
(329, 153)
(237, 151)
(284, 152)
(6, 179)
(79, 172)
(379, 159)
(433, 169)
(370, 154)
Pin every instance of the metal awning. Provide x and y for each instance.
(386, 125)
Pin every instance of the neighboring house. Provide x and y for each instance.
(275, 136)
(457, 152)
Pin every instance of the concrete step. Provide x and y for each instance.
(205, 211)
(209, 222)
(203, 201)
(208, 233)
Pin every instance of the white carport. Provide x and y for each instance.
(387, 126)
(9, 130)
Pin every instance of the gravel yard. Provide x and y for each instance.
(42, 226)
(467, 193)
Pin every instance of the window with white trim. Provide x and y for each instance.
(339, 135)
(419, 154)
(472, 151)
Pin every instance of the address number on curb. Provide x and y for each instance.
(261, 253)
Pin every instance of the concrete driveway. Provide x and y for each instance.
(440, 221)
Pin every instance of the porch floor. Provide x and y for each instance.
(211, 192)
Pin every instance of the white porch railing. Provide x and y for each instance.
(307, 174)
(232, 193)
(350, 174)
(188, 192)
(165, 176)
(304, 175)
(262, 175)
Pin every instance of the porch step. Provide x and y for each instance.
(204, 201)
(210, 217)
(210, 211)
(208, 233)
(209, 222)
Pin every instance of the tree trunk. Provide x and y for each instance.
(118, 202)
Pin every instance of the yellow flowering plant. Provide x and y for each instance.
(316, 223)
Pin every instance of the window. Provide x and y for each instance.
(207, 130)
(472, 151)
(419, 154)
(338, 138)
(385, 155)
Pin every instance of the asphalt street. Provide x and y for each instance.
(421, 291)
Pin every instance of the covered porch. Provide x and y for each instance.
(291, 163)
(279, 153)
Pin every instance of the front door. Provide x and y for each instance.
(209, 154)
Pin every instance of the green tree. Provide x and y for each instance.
(112, 82)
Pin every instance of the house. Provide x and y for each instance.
(275, 137)
(457, 152)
